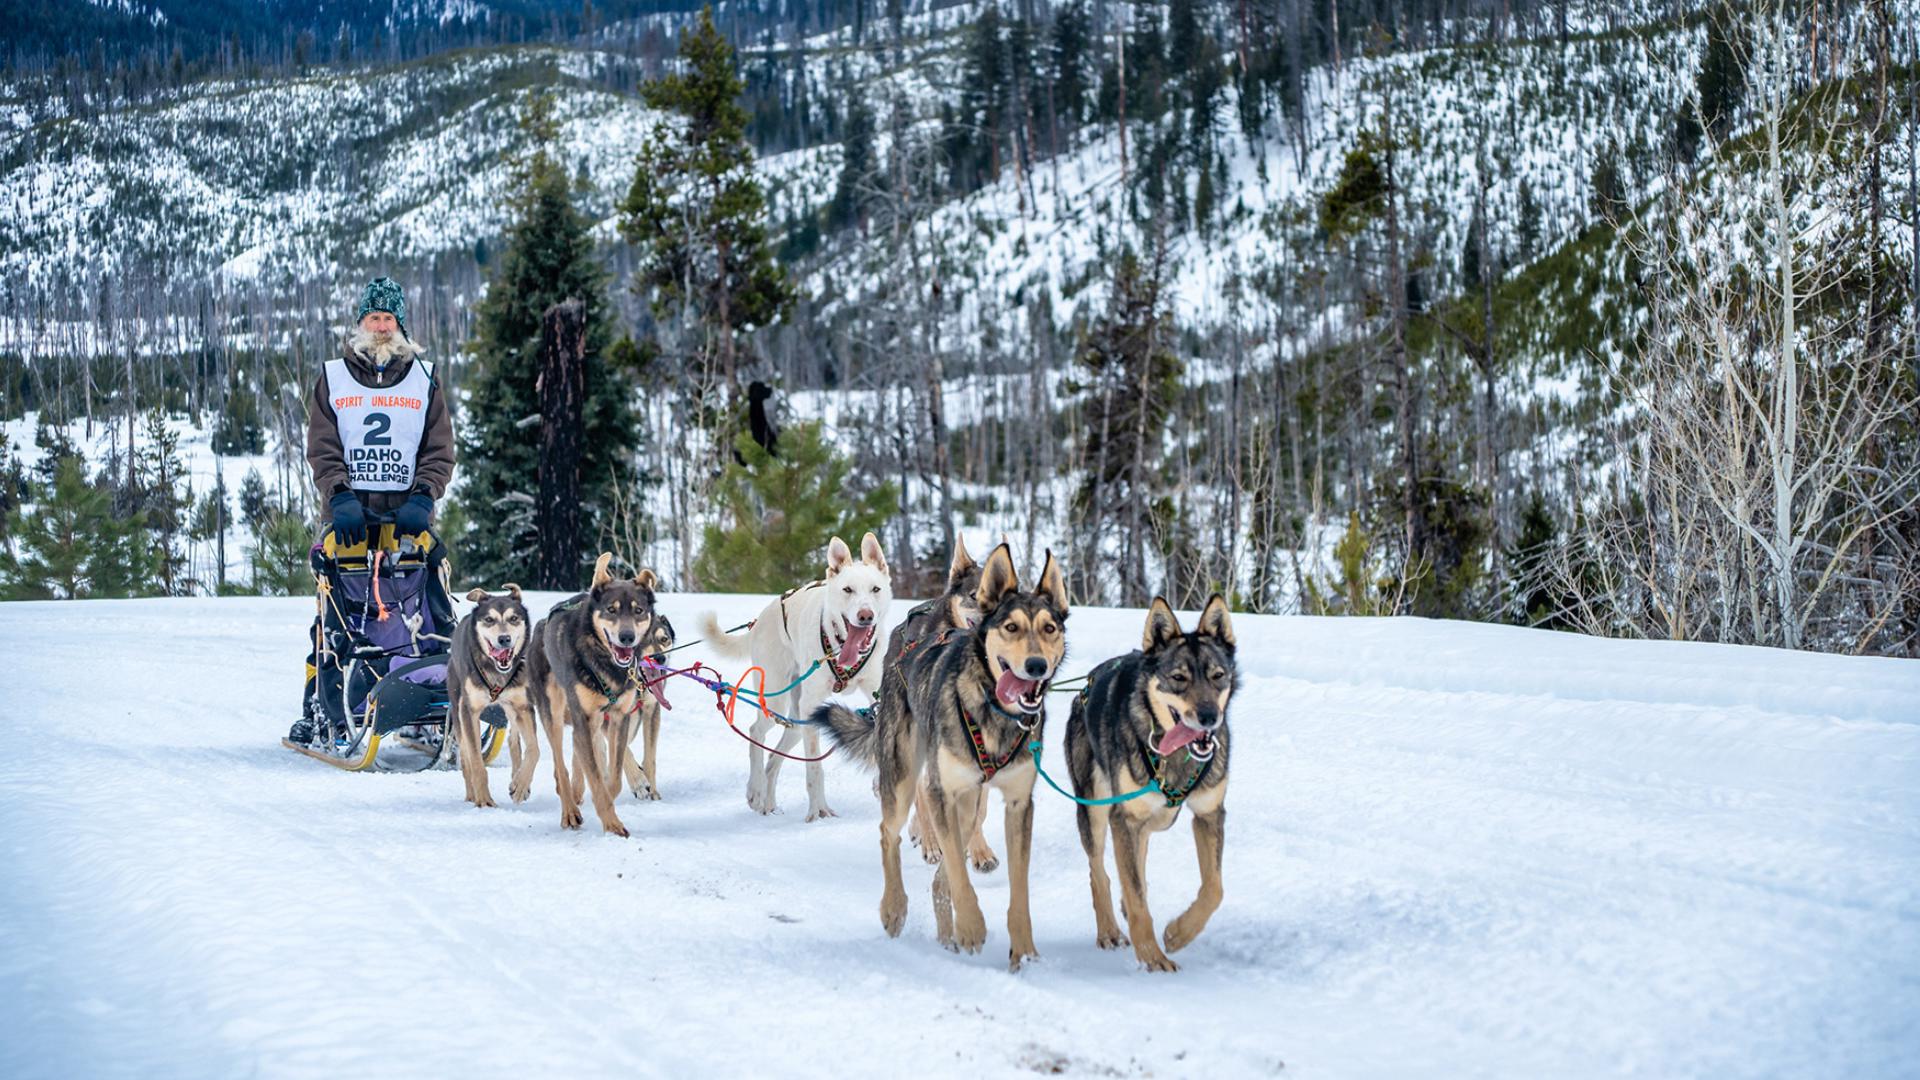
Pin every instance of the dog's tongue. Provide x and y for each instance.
(500, 656)
(1173, 740)
(857, 638)
(1011, 688)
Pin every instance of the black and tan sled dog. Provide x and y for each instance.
(586, 676)
(487, 683)
(1159, 714)
(960, 719)
(642, 773)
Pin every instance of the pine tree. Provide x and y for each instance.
(239, 430)
(1609, 202)
(256, 504)
(1722, 82)
(698, 213)
(1527, 227)
(1070, 35)
(856, 166)
(1132, 376)
(279, 556)
(548, 256)
(73, 545)
(164, 497)
(1470, 268)
(781, 512)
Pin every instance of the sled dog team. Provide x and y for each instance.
(959, 699)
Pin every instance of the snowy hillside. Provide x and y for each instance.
(1456, 850)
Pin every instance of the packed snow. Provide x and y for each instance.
(1454, 850)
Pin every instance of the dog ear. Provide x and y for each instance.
(962, 562)
(839, 556)
(1215, 621)
(513, 591)
(647, 580)
(997, 579)
(1162, 626)
(871, 554)
(1053, 582)
(476, 595)
(601, 573)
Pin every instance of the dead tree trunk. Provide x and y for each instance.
(562, 389)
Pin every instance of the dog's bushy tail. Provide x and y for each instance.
(855, 731)
(717, 639)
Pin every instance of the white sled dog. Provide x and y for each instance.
(837, 629)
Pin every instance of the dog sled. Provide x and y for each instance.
(377, 679)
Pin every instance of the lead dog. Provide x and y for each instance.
(960, 720)
(641, 774)
(1159, 714)
(833, 627)
(487, 683)
(586, 677)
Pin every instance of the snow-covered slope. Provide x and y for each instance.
(1455, 850)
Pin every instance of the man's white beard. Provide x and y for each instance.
(383, 348)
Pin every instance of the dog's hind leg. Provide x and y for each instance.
(896, 801)
(759, 794)
(525, 745)
(1130, 858)
(1210, 840)
(817, 807)
(922, 832)
(1019, 825)
(652, 767)
(1093, 838)
(789, 739)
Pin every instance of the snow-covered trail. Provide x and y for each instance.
(1453, 850)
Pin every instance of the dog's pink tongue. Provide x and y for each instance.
(1011, 688)
(857, 638)
(500, 656)
(1173, 740)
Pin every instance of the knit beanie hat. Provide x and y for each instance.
(383, 294)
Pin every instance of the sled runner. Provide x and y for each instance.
(377, 687)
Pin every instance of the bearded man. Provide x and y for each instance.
(379, 439)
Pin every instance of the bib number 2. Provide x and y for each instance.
(377, 426)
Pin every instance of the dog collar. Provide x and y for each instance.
(493, 692)
(843, 677)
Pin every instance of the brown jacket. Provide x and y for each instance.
(433, 468)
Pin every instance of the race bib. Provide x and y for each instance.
(380, 429)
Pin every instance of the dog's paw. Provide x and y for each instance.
(969, 931)
(615, 827)
(1017, 958)
(571, 819)
(484, 802)
(821, 812)
(931, 854)
(1181, 932)
(1111, 939)
(1155, 960)
(984, 860)
(518, 793)
(893, 914)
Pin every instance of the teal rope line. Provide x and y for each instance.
(759, 695)
(1152, 785)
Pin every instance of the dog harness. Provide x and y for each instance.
(843, 677)
(380, 427)
(988, 766)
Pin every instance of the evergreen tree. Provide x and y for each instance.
(279, 556)
(165, 498)
(256, 504)
(780, 512)
(1609, 202)
(698, 213)
(548, 256)
(856, 166)
(239, 430)
(1527, 228)
(73, 545)
(1132, 376)
(1071, 31)
(1722, 82)
(1470, 268)
(984, 90)
(1183, 37)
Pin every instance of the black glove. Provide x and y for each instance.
(349, 519)
(413, 515)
